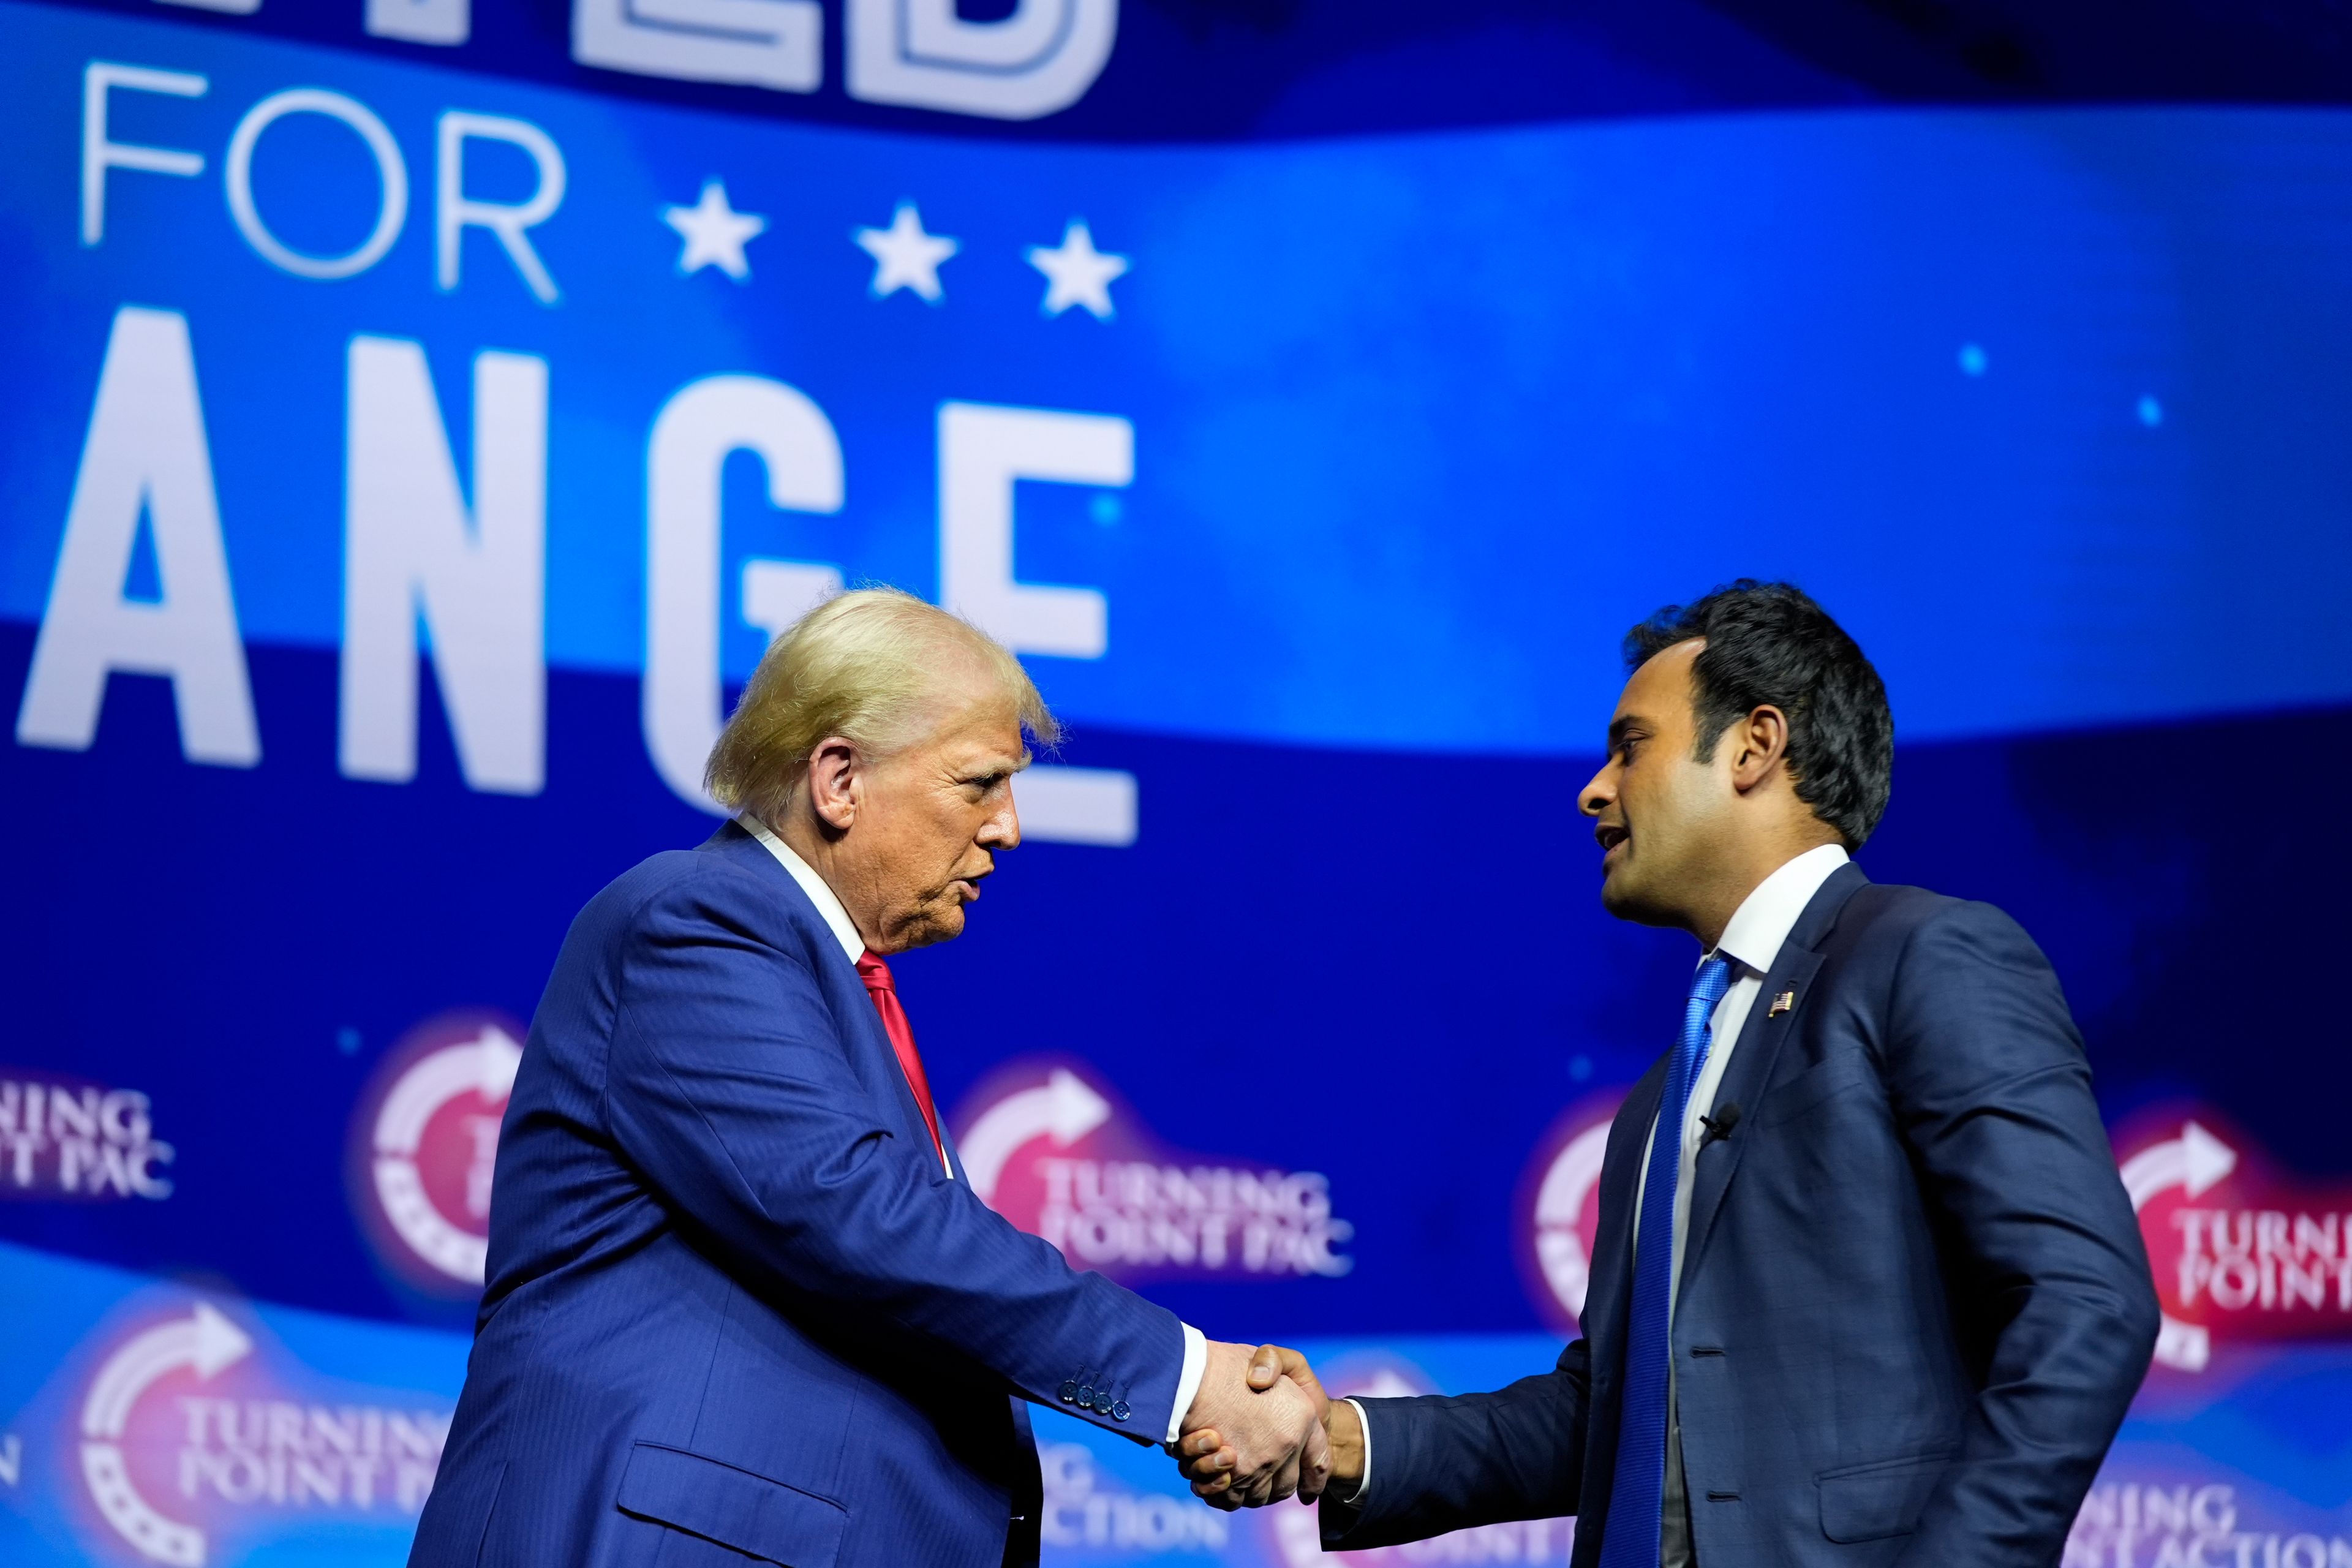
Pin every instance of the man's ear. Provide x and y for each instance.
(836, 778)
(1760, 745)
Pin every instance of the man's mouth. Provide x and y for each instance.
(1612, 839)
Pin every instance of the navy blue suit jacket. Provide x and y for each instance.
(1914, 1302)
(735, 1307)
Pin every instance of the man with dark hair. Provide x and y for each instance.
(1866, 1288)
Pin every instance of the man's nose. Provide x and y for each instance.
(1601, 792)
(1002, 831)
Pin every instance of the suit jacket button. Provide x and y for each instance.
(1087, 1396)
(1070, 1392)
(1121, 1411)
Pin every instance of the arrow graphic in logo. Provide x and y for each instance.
(203, 1341)
(484, 1066)
(2193, 1163)
(1062, 1108)
(1559, 1210)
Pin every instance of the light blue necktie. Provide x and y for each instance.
(1630, 1538)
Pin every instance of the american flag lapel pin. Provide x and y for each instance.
(1781, 1004)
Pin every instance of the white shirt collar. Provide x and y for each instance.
(828, 904)
(1764, 919)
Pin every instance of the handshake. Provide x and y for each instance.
(1261, 1429)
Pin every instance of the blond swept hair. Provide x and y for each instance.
(871, 666)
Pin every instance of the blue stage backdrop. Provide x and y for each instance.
(413, 419)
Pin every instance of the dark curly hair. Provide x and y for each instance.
(1767, 643)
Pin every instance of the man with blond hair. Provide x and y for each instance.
(741, 1300)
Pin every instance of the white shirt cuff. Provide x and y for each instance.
(1188, 1382)
(1364, 1433)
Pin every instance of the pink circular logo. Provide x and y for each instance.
(1560, 1208)
(424, 1142)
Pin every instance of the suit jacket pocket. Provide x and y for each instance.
(734, 1507)
(1869, 1502)
(1848, 1069)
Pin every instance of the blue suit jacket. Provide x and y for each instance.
(1914, 1302)
(734, 1304)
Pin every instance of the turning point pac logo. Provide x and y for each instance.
(63, 1138)
(1560, 1208)
(2242, 1251)
(186, 1431)
(1054, 1152)
(424, 1143)
(202, 1343)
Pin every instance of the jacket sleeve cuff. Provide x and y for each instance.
(1363, 1481)
(1188, 1382)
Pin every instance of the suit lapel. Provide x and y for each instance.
(861, 1025)
(1610, 1285)
(1761, 1038)
(866, 1023)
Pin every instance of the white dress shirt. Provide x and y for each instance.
(852, 946)
(1752, 942)
(820, 893)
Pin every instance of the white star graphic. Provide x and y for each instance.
(715, 232)
(904, 256)
(1076, 272)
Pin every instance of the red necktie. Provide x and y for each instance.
(876, 975)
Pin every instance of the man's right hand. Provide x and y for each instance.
(1213, 1465)
(1266, 1430)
